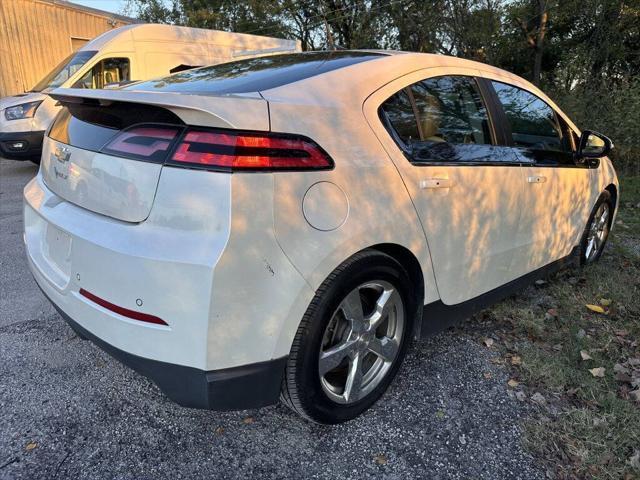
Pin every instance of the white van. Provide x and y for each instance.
(130, 53)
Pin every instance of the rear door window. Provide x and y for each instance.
(538, 133)
(451, 120)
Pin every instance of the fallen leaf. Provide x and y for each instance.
(488, 342)
(440, 414)
(516, 360)
(599, 421)
(585, 356)
(621, 333)
(595, 308)
(248, 420)
(380, 459)
(487, 375)
(521, 396)
(30, 446)
(552, 312)
(581, 334)
(219, 430)
(605, 302)
(557, 347)
(540, 283)
(597, 372)
(513, 383)
(538, 398)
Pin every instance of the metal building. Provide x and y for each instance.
(35, 35)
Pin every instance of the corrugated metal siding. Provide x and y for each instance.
(35, 35)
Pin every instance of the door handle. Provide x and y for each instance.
(536, 179)
(436, 183)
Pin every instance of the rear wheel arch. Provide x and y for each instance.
(408, 260)
(613, 191)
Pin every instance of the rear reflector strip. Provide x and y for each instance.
(125, 312)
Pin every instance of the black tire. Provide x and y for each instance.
(302, 390)
(587, 257)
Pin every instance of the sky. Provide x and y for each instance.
(115, 6)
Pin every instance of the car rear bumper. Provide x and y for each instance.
(30, 148)
(249, 386)
(213, 348)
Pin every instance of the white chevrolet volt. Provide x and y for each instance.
(282, 227)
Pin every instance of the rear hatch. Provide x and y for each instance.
(106, 149)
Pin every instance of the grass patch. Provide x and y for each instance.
(589, 426)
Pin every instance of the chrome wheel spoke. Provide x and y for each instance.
(383, 305)
(385, 348)
(330, 359)
(590, 243)
(351, 306)
(353, 386)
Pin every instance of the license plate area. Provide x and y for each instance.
(57, 251)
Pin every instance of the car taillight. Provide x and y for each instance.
(230, 151)
(150, 143)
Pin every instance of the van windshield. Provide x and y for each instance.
(64, 70)
(254, 74)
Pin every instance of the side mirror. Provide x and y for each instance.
(594, 145)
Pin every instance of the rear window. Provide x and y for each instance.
(254, 74)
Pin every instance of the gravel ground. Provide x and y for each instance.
(68, 410)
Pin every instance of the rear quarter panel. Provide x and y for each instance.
(379, 207)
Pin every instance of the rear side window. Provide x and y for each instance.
(441, 119)
(535, 127)
(450, 109)
(255, 74)
(401, 115)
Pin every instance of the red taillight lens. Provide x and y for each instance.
(144, 142)
(249, 151)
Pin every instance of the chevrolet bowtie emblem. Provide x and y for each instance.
(62, 154)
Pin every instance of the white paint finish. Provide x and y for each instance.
(117, 187)
(555, 215)
(168, 261)
(315, 205)
(257, 298)
(380, 210)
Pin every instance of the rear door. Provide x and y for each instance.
(555, 185)
(465, 185)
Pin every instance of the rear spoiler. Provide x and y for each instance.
(239, 111)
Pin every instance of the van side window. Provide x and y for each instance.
(105, 72)
(452, 122)
(537, 131)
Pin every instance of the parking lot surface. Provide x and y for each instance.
(68, 410)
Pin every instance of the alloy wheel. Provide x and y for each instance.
(361, 341)
(598, 231)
